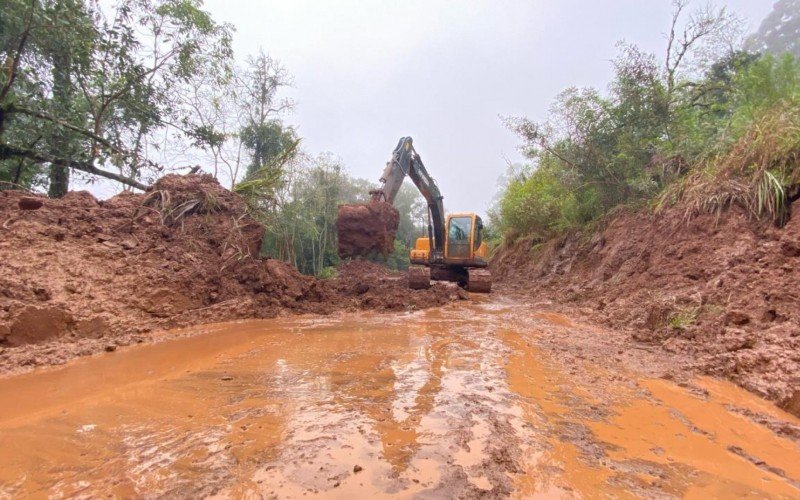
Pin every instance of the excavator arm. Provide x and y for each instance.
(406, 161)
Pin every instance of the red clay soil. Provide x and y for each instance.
(367, 285)
(365, 229)
(78, 275)
(724, 292)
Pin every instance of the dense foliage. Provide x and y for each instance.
(127, 91)
(300, 214)
(92, 90)
(718, 131)
(301, 207)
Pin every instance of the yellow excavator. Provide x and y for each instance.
(454, 249)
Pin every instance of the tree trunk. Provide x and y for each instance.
(59, 182)
(62, 93)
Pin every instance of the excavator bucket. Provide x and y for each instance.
(365, 229)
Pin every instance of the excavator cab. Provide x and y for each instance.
(463, 243)
(463, 259)
(464, 238)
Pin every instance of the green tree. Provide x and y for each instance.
(301, 223)
(598, 151)
(407, 202)
(266, 142)
(113, 75)
(271, 146)
(44, 44)
(263, 134)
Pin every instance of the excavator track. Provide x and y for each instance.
(419, 277)
(479, 280)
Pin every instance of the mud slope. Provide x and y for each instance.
(723, 291)
(78, 275)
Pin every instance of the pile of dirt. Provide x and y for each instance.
(365, 229)
(721, 290)
(367, 285)
(81, 275)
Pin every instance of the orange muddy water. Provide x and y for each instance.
(462, 401)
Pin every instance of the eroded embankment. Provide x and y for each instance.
(78, 275)
(721, 290)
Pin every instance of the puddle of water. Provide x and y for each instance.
(553, 466)
(452, 402)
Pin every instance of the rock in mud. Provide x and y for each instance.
(93, 328)
(366, 228)
(792, 404)
(37, 324)
(736, 318)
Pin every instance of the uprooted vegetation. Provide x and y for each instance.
(81, 275)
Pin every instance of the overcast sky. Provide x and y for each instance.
(368, 72)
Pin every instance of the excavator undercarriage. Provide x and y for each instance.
(473, 280)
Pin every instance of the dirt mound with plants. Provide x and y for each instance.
(722, 289)
(81, 275)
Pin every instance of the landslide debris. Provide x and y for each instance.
(79, 275)
(365, 229)
(367, 285)
(721, 290)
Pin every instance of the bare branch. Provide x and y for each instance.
(37, 114)
(8, 151)
(704, 30)
(678, 6)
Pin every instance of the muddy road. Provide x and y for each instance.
(487, 398)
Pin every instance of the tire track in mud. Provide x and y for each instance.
(440, 422)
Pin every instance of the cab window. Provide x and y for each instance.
(459, 229)
(478, 233)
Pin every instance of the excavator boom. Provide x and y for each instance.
(406, 161)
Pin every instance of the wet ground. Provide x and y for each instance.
(487, 398)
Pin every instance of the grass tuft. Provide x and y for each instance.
(754, 172)
(171, 211)
(681, 320)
